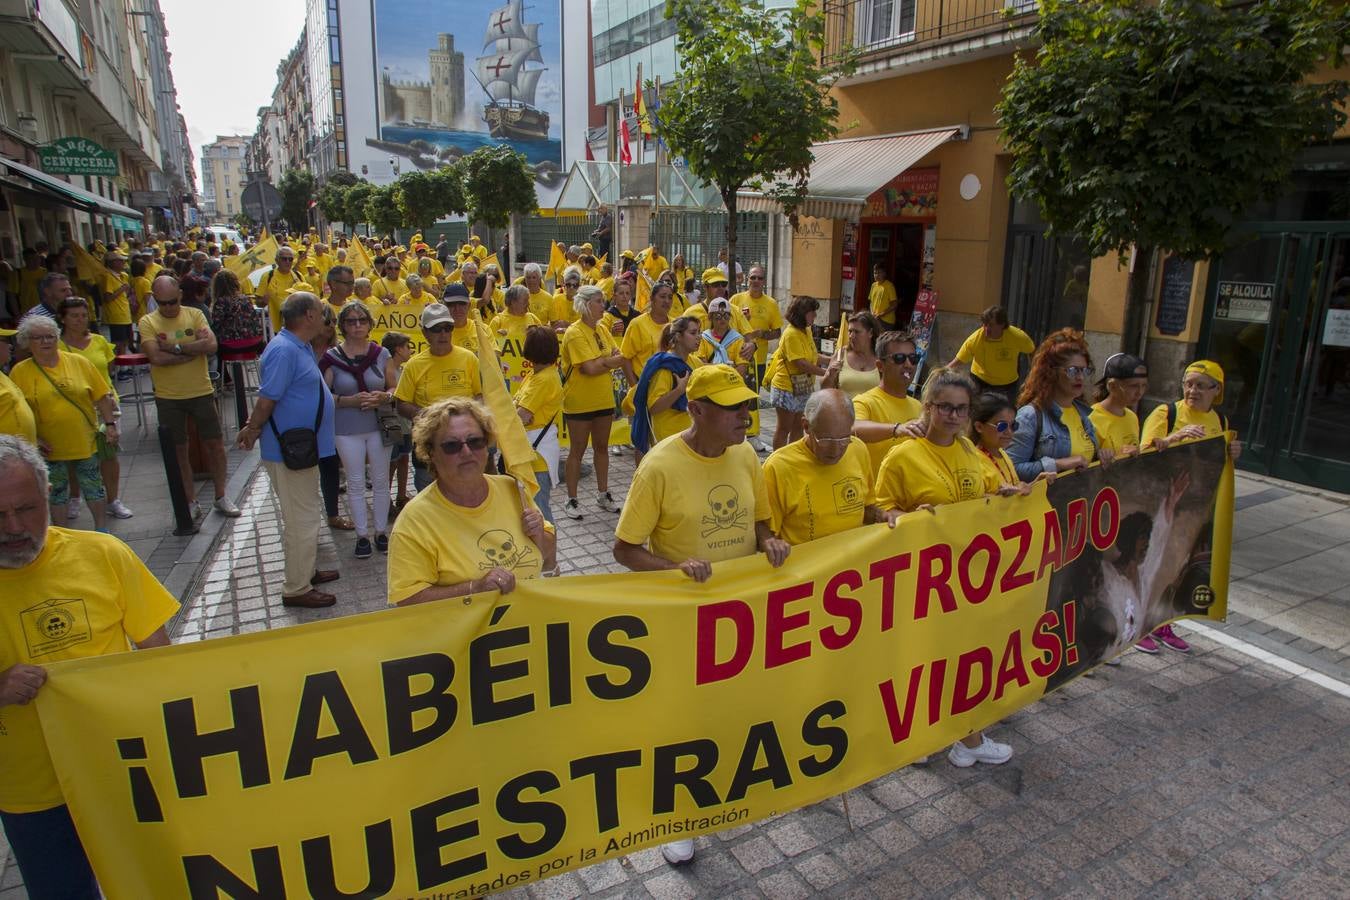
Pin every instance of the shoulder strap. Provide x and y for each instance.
(1171, 416)
(64, 395)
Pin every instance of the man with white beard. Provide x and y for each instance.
(63, 595)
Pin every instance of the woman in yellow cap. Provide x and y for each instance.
(1192, 418)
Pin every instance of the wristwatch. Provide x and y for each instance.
(178, 349)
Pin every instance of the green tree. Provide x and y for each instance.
(333, 195)
(751, 97)
(381, 213)
(1154, 125)
(354, 204)
(297, 191)
(497, 182)
(423, 197)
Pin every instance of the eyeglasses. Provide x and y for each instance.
(1078, 371)
(1201, 385)
(839, 440)
(1002, 427)
(571, 284)
(42, 337)
(475, 444)
(949, 409)
(912, 358)
(168, 302)
(741, 407)
(442, 328)
(756, 277)
(348, 283)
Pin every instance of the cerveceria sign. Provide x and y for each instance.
(77, 156)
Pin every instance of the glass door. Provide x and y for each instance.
(1278, 321)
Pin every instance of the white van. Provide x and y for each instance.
(224, 233)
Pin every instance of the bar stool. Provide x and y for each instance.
(139, 364)
(245, 353)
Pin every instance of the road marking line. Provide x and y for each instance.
(1265, 656)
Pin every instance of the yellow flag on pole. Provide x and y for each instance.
(358, 257)
(87, 268)
(557, 261)
(512, 441)
(257, 256)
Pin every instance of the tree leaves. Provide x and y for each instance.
(497, 182)
(1159, 124)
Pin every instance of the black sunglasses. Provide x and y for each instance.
(914, 358)
(741, 407)
(441, 328)
(452, 447)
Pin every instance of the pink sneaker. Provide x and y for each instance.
(1168, 637)
(1148, 645)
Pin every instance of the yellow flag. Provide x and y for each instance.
(358, 257)
(511, 438)
(604, 257)
(490, 261)
(87, 268)
(259, 255)
(557, 261)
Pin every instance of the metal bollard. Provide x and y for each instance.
(182, 516)
(240, 394)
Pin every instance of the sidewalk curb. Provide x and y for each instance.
(183, 575)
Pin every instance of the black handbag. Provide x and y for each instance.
(300, 446)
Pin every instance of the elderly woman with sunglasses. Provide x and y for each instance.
(468, 532)
(358, 372)
(1054, 425)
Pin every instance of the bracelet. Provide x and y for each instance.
(895, 431)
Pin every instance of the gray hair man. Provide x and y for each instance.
(108, 602)
(292, 397)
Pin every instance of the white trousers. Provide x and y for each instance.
(357, 451)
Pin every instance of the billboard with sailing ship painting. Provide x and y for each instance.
(456, 75)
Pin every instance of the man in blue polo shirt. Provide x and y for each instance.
(291, 394)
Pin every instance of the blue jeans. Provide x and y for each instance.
(50, 855)
(541, 499)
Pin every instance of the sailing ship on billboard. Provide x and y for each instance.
(436, 105)
(511, 43)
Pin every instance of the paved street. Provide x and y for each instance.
(1220, 773)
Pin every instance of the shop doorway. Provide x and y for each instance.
(899, 248)
(1277, 318)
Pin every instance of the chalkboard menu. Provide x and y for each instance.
(1174, 304)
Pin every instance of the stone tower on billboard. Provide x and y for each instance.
(447, 81)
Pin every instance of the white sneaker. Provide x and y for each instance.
(990, 752)
(225, 506)
(616, 450)
(195, 509)
(607, 502)
(118, 510)
(73, 508)
(572, 508)
(677, 853)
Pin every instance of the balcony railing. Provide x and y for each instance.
(886, 27)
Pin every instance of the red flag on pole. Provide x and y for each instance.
(590, 157)
(625, 149)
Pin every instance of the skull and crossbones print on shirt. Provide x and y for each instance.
(500, 548)
(726, 510)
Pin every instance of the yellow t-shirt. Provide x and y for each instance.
(586, 393)
(466, 336)
(510, 331)
(407, 297)
(641, 340)
(878, 406)
(797, 345)
(1115, 433)
(181, 382)
(427, 378)
(389, 288)
(541, 305)
(116, 310)
(811, 500)
(669, 420)
(436, 542)
(541, 393)
(275, 287)
(881, 297)
(705, 351)
(16, 416)
(764, 316)
(66, 419)
(919, 472)
(563, 310)
(606, 285)
(1079, 442)
(1155, 425)
(107, 599)
(98, 351)
(689, 506)
(995, 361)
(140, 289)
(1000, 465)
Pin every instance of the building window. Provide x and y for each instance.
(886, 20)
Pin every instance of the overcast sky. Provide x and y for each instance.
(225, 61)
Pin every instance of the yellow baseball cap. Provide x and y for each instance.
(721, 384)
(7, 332)
(627, 254)
(1210, 369)
(713, 276)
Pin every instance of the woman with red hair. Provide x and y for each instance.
(1054, 428)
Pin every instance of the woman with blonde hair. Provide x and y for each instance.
(467, 532)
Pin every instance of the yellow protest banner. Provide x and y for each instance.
(401, 317)
(483, 743)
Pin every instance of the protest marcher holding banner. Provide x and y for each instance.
(1054, 425)
(674, 521)
(467, 532)
(115, 604)
(992, 426)
(823, 484)
(939, 468)
(1124, 380)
